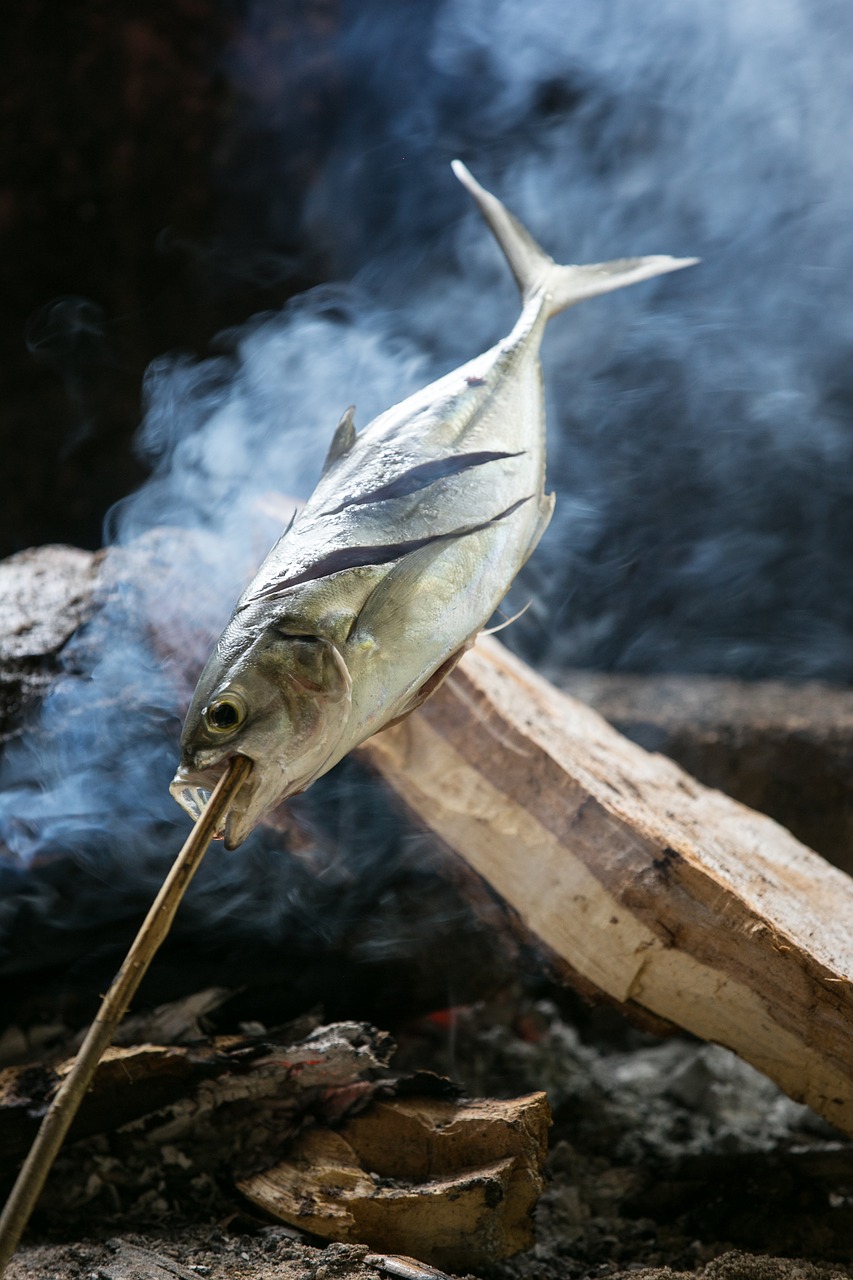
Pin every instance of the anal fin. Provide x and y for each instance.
(343, 439)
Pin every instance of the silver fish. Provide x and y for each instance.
(410, 540)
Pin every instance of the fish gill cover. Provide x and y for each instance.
(700, 435)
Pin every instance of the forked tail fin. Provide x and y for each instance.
(535, 272)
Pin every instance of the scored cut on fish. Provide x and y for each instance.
(412, 537)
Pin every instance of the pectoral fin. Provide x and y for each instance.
(429, 686)
(407, 606)
(388, 608)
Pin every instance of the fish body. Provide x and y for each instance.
(411, 538)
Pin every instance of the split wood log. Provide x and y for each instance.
(646, 886)
(454, 1184)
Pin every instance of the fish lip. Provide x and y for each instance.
(238, 827)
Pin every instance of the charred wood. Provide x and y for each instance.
(368, 1158)
(194, 1089)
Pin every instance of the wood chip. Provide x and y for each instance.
(452, 1184)
(133, 1263)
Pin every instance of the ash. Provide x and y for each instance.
(661, 1153)
(664, 1154)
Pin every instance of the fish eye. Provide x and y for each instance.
(225, 714)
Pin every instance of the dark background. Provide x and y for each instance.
(130, 226)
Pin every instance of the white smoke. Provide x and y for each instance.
(699, 425)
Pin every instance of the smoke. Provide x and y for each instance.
(700, 435)
(700, 427)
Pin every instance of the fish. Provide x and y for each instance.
(416, 528)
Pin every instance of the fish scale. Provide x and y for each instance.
(410, 540)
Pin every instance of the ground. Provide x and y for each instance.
(664, 1154)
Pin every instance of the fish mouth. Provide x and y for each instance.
(192, 788)
(265, 787)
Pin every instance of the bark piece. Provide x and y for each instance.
(404, 1268)
(648, 887)
(189, 1085)
(452, 1184)
(47, 592)
(133, 1263)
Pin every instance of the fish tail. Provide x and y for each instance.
(537, 273)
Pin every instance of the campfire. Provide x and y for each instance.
(531, 985)
(595, 865)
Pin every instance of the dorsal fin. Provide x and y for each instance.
(537, 273)
(343, 439)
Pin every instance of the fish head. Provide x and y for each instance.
(279, 697)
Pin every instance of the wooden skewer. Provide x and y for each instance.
(65, 1105)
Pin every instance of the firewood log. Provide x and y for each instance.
(188, 1084)
(452, 1183)
(648, 887)
(784, 749)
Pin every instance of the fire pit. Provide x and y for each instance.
(645, 1133)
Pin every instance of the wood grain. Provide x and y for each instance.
(655, 890)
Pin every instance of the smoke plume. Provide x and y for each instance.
(700, 438)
